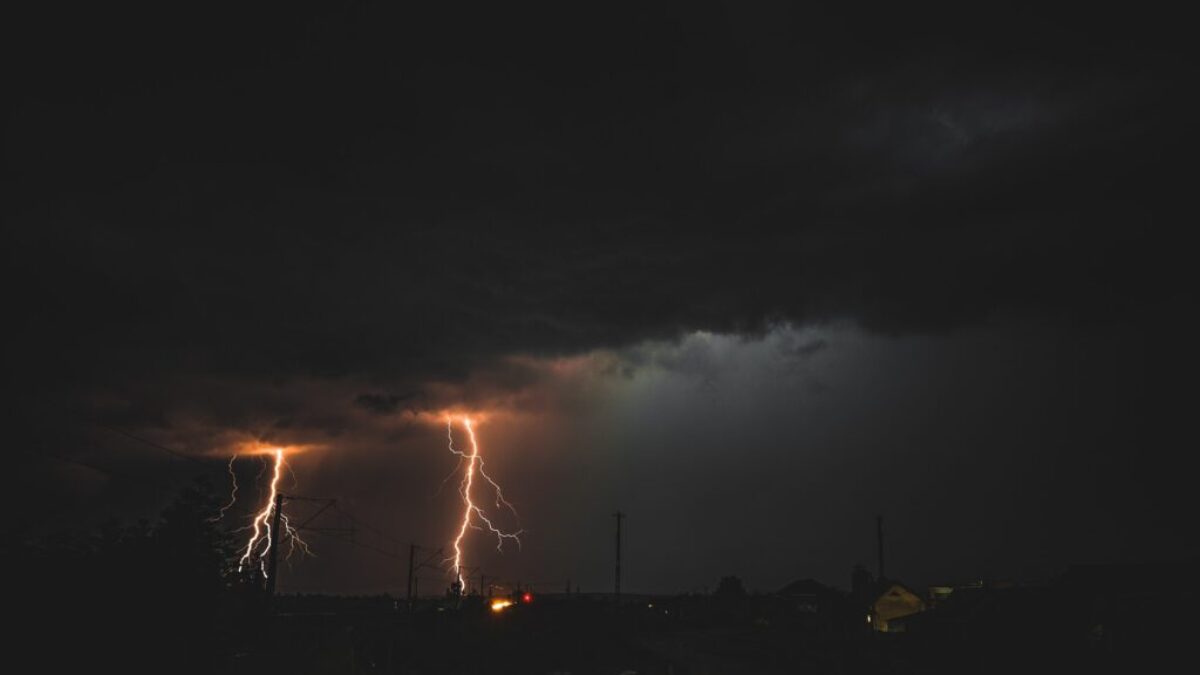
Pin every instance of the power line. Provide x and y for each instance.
(368, 527)
(356, 520)
(319, 512)
(156, 446)
(360, 544)
(67, 460)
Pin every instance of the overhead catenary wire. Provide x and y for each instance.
(68, 460)
(359, 544)
(162, 448)
(368, 527)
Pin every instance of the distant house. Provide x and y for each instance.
(1105, 612)
(982, 612)
(893, 600)
(819, 610)
(807, 596)
(937, 595)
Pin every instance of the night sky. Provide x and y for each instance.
(750, 276)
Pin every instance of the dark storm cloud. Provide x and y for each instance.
(284, 222)
(825, 256)
(382, 404)
(810, 347)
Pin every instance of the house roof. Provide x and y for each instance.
(805, 587)
(882, 587)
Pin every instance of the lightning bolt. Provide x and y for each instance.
(260, 541)
(232, 494)
(471, 511)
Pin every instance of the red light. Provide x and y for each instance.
(527, 598)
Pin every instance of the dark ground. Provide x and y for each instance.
(162, 597)
(588, 636)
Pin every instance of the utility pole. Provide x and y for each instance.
(619, 516)
(412, 556)
(879, 542)
(414, 567)
(277, 532)
(273, 562)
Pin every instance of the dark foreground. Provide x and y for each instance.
(668, 636)
(561, 635)
(162, 598)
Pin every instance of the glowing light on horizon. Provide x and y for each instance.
(471, 511)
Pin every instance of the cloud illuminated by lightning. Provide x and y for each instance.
(471, 511)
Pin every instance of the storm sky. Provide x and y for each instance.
(752, 276)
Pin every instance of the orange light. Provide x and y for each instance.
(501, 605)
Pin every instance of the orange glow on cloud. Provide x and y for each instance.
(261, 448)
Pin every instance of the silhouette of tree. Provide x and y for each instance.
(144, 597)
(730, 587)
